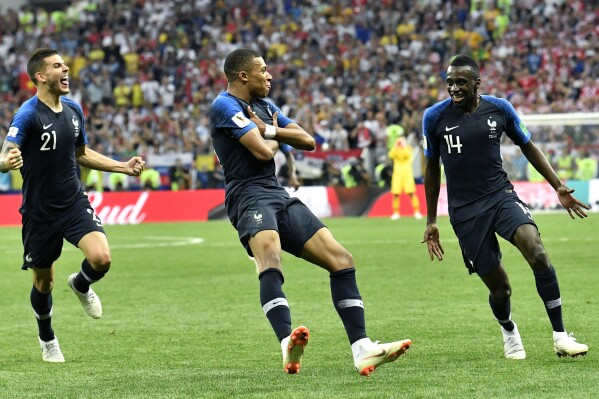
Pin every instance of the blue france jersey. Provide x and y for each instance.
(469, 147)
(229, 121)
(48, 141)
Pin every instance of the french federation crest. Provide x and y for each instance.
(75, 125)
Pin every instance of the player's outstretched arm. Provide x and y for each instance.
(91, 159)
(538, 160)
(10, 157)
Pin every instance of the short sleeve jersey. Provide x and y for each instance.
(48, 141)
(229, 121)
(469, 147)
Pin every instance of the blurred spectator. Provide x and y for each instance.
(330, 175)
(565, 164)
(354, 174)
(383, 173)
(118, 182)
(586, 166)
(179, 176)
(149, 178)
(520, 165)
(94, 181)
(216, 179)
(338, 139)
(5, 182)
(394, 131)
(202, 177)
(362, 67)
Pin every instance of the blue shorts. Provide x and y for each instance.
(480, 248)
(42, 241)
(290, 217)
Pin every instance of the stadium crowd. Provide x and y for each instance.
(146, 71)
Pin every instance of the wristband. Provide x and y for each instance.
(270, 132)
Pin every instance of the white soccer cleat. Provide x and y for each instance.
(51, 351)
(369, 355)
(90, 301)
(395, 216)
(417, 215)
(293, 349)
(566, 345)
(512, 344)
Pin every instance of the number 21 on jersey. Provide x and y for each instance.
(48, 141)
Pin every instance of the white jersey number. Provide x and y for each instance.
(525, 210)
(449, 139)
(49, 141)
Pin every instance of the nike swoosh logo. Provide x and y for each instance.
(447, 129)
(45, 127)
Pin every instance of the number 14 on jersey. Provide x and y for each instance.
(451, 143)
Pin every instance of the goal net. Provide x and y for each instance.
(574, 135)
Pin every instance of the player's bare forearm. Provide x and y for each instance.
(273, 145)
(432, 187)
(10, 157)
(264, 150)
(91, 159)
(538, 160)
(94, 160)
(294, 135)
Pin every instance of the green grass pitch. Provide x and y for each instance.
(182, 319)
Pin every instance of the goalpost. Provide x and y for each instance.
(579, 129)
(575, 134)
(559, 133)
(570, 119)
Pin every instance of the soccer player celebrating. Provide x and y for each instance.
(465, 131)
(46, 140)
(247, 130)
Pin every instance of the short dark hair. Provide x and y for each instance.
(36, 61)
(239, 60)
(462, 60)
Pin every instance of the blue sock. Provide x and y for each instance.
(274, 303)
(42, 307)
(87, 276)
(348, 303)
(548, 289)
(502, 312)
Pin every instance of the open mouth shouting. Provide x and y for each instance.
(64, 82)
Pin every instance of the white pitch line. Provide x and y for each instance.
(186, 241)
(173, 241)
(169, 242)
